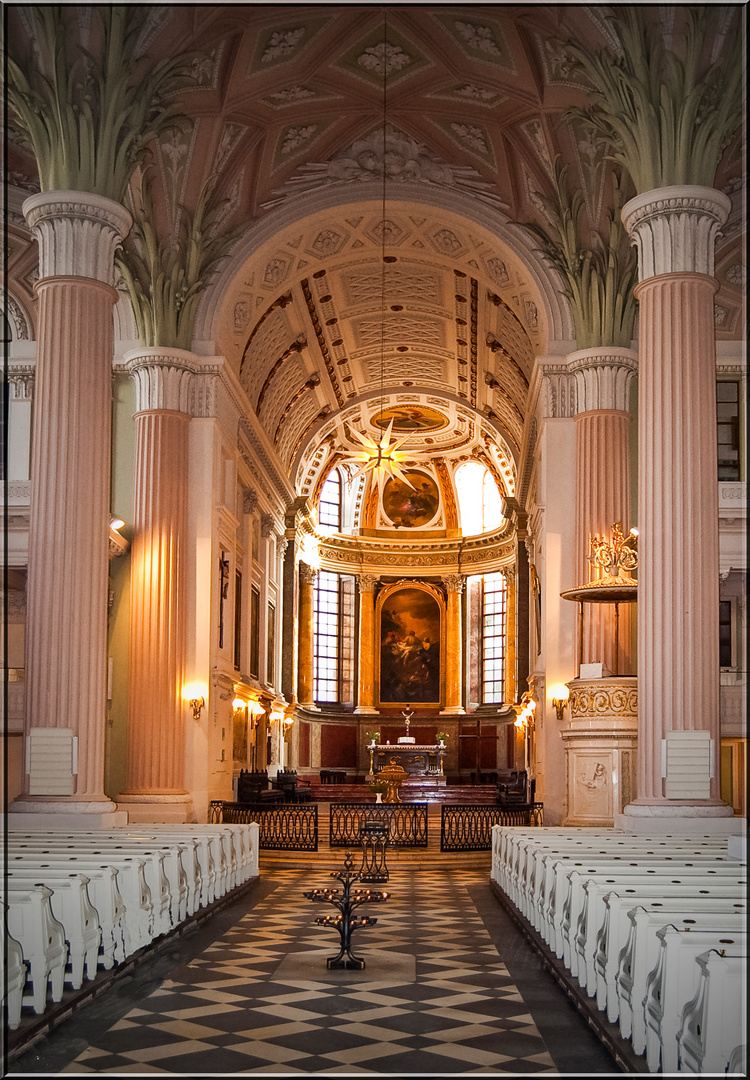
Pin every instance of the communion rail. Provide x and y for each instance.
(285, 827)
(469, 827)
(407, 823)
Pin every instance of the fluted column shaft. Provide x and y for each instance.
(156, 713)
(453, 653)
(158, 586)
(603, 379)
(305, 687)
(678, 599)
(602, 498)
(366, 657)
(66, 628)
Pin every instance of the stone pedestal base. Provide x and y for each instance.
(453, 710)
(681, 820)
(58, 815)
(156, 809)
(600, 746)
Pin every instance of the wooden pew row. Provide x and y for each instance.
(137, 915)
(713, 1019)
(152, 862)
(70, 905)
(566, 923)
(101, 891)
(110, 914)
(673, 982)
(667, 903)
(13, 978)
(637, 960)
(550, 868)
(582, 940)
(42, 939)
(572, 908)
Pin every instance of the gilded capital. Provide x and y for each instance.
(367, 583)
(675, 228)
(309, 573)
(77, 233)
(454, 583)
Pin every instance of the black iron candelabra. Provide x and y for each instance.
(346, 900)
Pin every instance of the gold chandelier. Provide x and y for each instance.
(381, 457)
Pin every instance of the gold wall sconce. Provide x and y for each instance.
(525, 709)
(560, 701)
(195, 695)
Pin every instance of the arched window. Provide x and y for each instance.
(329, 503)
(479, 502)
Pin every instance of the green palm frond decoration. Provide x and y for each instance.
(165, 277)
(599, 280)
(668, 117)
(88, 119)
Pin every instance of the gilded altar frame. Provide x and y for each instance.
(384, 673)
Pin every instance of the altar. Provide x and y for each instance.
(425, 762)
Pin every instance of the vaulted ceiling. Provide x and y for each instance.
(289, 110)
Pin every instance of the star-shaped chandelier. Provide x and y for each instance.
(380, 458)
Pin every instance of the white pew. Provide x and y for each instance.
(42, 939)
(12, 979)
(137, 921)
(70, 904)
(712, 1022)
(151, 860)
(573, 903)
(672, 982)
(673, 903)
(637, 959)
(103, 893)
(592, 916)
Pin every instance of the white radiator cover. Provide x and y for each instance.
(687, 764)
(51, 761)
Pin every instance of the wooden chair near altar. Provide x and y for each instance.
(295, 789)
(514, 788)
(252, 787)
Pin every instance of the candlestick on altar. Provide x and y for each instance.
(407, 714)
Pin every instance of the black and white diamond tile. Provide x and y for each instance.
(435, 997)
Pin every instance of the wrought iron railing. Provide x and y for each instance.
(285, 827)
(469, 827)
(407, 823)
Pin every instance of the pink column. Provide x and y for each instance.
(603, 379)
(678, 599)
(155, 788)
(66, 630)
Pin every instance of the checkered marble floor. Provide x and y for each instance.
(435, 997)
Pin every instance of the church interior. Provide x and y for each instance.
(375, 403)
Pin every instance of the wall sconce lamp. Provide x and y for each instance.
(256, 710)
(559, 703)
(275, 717)
(238, 706)
(525, 709)
(194, 695)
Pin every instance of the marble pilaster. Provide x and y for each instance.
(454, 584)
(366, 693)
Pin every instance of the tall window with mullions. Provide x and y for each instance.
(326, 627)
(329, 503)
(494, 628)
